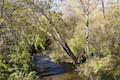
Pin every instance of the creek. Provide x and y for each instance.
(48, 69)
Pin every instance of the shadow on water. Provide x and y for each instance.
(45, 66)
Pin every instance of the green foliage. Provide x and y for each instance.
(23, 25)
(77, 44)
(97, 68)
(18, 75)
(18, 32)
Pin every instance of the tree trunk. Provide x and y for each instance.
(103, 7)
(67, 49)
(62, 41)
(87, 26)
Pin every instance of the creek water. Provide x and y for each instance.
(49, 70)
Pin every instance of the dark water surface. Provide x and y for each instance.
(49, 70)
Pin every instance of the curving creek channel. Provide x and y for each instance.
(49, 70)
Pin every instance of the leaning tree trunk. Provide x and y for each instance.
(66, 48)
(61, 41)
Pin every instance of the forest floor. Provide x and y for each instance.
(107, 68)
